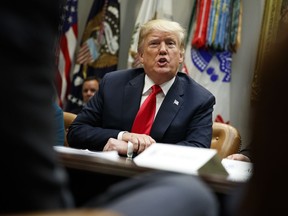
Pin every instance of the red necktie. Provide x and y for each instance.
(145, 116)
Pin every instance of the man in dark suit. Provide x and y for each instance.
(184, 108)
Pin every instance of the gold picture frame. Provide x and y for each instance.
(275, 12)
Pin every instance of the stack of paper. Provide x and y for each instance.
(192, 160)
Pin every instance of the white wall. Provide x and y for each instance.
(243, 67)
(242, 63)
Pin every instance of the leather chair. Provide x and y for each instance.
(68, 119)
(225, 139)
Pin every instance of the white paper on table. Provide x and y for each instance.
(238, 170)
(183, 159)
(109, 155)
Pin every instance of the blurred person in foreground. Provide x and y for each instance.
(262, 194)
(183, 107)
(32, 181)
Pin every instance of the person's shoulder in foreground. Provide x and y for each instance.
(160, 193)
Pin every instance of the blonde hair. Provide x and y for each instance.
(162, 25)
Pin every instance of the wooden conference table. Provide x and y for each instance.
(121, 168)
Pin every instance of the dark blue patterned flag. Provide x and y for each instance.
(99, 47)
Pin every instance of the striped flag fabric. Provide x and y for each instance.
(203, 9)
(217, 24)
(150, 9)
(209, 67)
(99, 48)
(84, 55)
(68, 43)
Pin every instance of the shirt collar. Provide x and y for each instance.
(149, 83)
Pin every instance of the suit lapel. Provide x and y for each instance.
(168, 110)
(132, 99)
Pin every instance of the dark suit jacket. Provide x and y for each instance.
(184, 118)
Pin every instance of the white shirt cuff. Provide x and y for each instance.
(119, 137)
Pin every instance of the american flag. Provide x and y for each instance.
(68, 43)
(84, 55)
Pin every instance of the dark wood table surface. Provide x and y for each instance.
(124, 167)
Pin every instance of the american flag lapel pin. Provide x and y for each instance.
(176, 102)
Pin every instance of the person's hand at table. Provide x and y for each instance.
(140, 143)
(143, 140)
(239, 157)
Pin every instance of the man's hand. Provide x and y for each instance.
(122, 146)
(116, 145)
(239, 157)
(140, 141)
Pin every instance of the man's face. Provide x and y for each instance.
(161, 56)
(89, 88)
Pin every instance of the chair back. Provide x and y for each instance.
(226, 139)
(68, 119)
